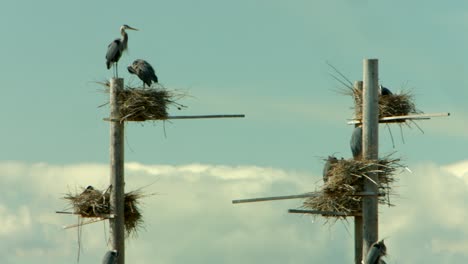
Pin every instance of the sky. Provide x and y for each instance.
(265, 59)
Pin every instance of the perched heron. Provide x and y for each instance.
(116, 48)
(144, 71)
(356, 143)
(376, 252)
(385, 91)
(110, 257)
(328, 164)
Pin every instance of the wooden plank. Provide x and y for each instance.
(406, 117)
(206, 116)
(183, 117)
(274, 198)
(325, 213)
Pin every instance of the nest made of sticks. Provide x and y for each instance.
(92, 203)
(136, 104)
(142, 104)
(389, 105)
(346, 179)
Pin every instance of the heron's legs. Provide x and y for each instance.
(116, 70)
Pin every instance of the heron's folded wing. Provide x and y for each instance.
(113, 49)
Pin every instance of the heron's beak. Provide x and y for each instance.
(133, 28)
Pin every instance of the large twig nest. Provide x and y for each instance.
(389, 105)
(142, 104)
(345, 179)
(136, 104)
(92, 203)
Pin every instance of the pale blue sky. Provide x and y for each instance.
(256, 53)
(265, 59)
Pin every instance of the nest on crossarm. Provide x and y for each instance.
(142, 104)
(93, 203)
(389, 105)
(346, 180)
(136, 104)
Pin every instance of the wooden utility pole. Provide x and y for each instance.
(358, 239)
(117, 190)
(370, 141)
(365, 222)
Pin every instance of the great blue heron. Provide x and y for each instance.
(356, 143)
(385, 91)
(110, 257)
(116, 48)
(328, 164)
(144, 71)
(376, 252)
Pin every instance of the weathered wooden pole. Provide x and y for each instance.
(370, 141)
(117, 236)
(358, 240)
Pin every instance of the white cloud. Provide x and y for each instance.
(459, 169)
(14, 222)
(191, 217)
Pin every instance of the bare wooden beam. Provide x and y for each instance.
(370, 139)
(297, 196)
(116, 224)
(206, 116)
(91, 221)
(358, 241)
(105, 216)
(183, 117)
(406, 117)
(64, 212)
(367, 194)
(274, 198)
(326, 213)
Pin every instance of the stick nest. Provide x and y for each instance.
(92, 203)
(142, 104)
(389, 105)
(346, 179)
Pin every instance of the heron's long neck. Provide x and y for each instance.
(124, 39)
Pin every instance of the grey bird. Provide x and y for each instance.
(116, 48)
(110, 257)
(328, 164)
(385, 91)
(89, 189)
(356, 143)
(376, 252)
(144, 71)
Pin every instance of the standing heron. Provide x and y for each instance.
(328, 165)
(356, 143)
(385, 91)
(144, 71)
(116, 48)
(110, 257)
